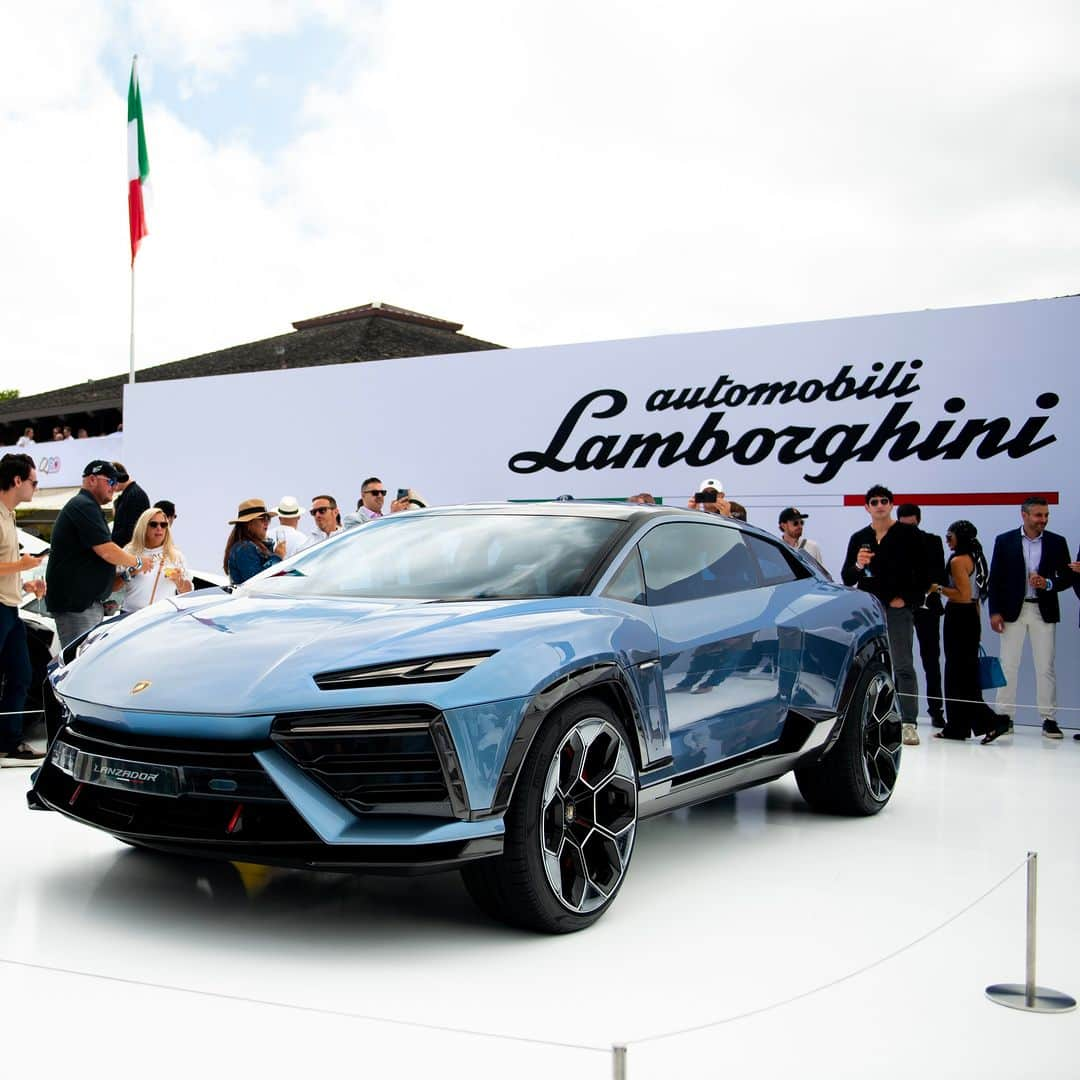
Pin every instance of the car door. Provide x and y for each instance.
(718, 641)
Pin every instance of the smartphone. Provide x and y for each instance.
(39, 554)
(402, 493)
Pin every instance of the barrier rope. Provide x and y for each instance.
(832, 982)
(314, 1009)
(978, 701)
(474, 1033)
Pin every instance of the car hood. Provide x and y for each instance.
(245, 654)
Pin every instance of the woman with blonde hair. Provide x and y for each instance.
(167, 576)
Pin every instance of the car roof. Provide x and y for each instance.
(615, 511)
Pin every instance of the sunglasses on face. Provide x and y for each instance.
(375, 491)
(878, 502)
(320, 509)
(157, 524)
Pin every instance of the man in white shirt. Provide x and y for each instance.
(288, 513)
(18, 481)
(791, 532)
(324, 512)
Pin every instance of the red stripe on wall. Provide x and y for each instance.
(961, 498)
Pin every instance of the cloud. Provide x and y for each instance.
(543, 173)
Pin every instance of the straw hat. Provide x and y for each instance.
(250, 509)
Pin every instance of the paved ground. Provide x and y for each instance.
(728, 908)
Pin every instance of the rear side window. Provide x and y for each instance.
(685, 561)
(775, 563)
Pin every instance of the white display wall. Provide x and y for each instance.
(966, 409)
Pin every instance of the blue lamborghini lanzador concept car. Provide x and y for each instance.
(505, 690)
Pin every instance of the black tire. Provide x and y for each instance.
(857, 776)
(583, 831)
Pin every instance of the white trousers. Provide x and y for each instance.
(1042, 636)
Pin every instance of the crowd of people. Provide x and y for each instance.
(60, 433)
(253, 546)
(905, 568)
(93, 571)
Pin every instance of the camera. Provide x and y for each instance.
(705, 496)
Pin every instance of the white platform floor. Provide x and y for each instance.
(728, 908)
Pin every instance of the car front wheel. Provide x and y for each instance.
(858, 775)
(570, 827)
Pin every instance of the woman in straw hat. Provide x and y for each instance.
(246, 550)
(167, 576)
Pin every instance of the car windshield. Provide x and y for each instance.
(468, 556)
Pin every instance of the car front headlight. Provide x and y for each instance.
(405, 673)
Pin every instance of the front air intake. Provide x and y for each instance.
(387, 760)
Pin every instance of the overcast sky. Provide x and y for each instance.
(542, 172)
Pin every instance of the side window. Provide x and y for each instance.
(685, 561)
(628, 583)
(776, 565)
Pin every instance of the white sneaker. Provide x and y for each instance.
(910, 735)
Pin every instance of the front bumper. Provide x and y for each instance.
(248, 802)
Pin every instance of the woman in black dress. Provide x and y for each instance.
(965, 710)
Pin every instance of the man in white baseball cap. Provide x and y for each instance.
(710, 498)
(288, 512)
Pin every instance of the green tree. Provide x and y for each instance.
(8, 395)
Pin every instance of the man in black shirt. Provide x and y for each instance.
(84, 560)
(928, 615)
(131, 501)
(886, 559)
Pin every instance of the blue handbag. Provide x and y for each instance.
(991, 675)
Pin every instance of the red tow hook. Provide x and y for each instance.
(236, 822)
(75, 794)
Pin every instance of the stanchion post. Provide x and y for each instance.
(1032, 902)
(618, 1061)
(1029, 997)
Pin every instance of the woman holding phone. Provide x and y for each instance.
(167, 574)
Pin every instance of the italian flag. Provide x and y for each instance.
(138, 163)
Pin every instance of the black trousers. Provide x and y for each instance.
(928, 631)
(961, 635)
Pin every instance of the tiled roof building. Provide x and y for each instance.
(356, 335)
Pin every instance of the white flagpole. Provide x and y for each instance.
(131, 372)
(131, 348)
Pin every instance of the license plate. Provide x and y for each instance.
(118, 773)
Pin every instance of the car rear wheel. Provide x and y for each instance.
(570, 827)
(858, 775)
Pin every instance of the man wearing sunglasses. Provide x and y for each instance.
(372, 497)
(324, 512)
(83, 559)
(887, 559)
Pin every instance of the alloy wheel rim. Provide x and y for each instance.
(588, 815)
(881, 736)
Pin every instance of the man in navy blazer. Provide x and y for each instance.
(1030, 566)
